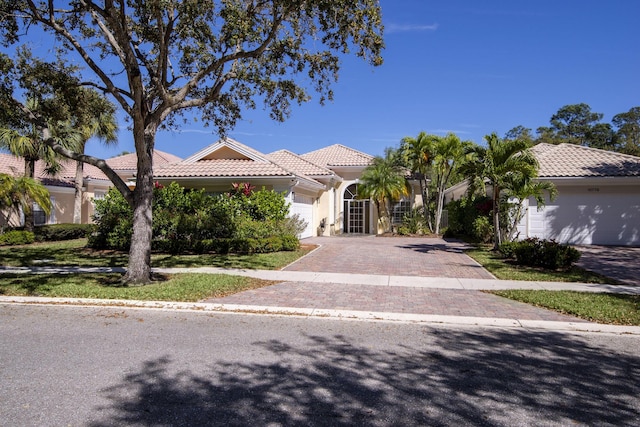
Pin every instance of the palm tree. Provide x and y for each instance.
(448, 152)
(498, 165)
(517, 192)
(20, 193)
(418, 153)
(27, 143)
(98, 120)
(383, 181)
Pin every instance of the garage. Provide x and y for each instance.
(303, 206)
(598, 215)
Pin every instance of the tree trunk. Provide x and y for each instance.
(439, 208)
(29, 172)
(77, 201)
(139, 268)
(496, 218)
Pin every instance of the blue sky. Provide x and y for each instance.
(467, 66)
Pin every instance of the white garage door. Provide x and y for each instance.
(303, 206)
(589, 218)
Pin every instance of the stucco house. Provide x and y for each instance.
(598, 199)
(320, 185)
(61, 189)
(95, 184)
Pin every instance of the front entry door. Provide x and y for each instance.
(357, 213)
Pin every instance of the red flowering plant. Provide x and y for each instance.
(241, 188)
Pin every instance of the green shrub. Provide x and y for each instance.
(55, 232)
(463, 214)
(413, 222)
(482, 229)
(507, 249)
(17, 237)
(545, 253)
(192, 221)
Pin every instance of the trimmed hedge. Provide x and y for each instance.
(16, 237)
(53, 232)
(541, 253)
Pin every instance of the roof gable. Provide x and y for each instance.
(226, 149)
(570, 160)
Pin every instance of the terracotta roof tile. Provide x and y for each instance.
(13, 165)
(221, 167)
(297, 164)
(570, 160)
(130, 161)
(338, 155)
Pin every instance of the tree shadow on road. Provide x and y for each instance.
(470, 377)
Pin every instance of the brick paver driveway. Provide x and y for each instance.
(395, 256)
(617, 262)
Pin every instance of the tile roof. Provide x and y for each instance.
(220, 168)
(338, 155)
(130, 161)
(297, 164)
(570, 160)
(13, 165)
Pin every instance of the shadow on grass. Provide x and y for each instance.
(40, 284)
(463, 378)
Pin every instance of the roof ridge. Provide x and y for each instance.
(300, 158)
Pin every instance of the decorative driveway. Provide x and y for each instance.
(617, 262)
(395, 256)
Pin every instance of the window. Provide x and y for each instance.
(398, 210)
(39, 215)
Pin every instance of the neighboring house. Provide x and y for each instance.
(320, 186)
(61, 189)
(61, 186)
(598, 199)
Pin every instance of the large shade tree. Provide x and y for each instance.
(161, 58)
(628, 131)
(498, 165)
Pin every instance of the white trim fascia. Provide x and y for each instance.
(98, 182)
(230, 143)
(58, 189)
(459, 185)
(592, 180)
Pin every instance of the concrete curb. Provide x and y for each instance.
(331, 314)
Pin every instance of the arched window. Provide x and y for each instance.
(357, 213)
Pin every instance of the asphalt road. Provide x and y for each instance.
(68, 366)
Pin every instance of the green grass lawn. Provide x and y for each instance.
(75, 253)
(609, 308)
(178, 287)
(506, 270)
(617, 309)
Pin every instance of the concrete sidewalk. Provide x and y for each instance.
(353, 279)
(366, 297)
